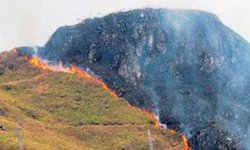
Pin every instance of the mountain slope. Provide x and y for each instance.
(184, 65)
(41, 109)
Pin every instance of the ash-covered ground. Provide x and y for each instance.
(184, 65)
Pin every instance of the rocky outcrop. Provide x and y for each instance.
(184, 65)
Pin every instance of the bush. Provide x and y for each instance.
(1, 71)
(78, 97)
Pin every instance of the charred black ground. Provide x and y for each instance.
(184, 65)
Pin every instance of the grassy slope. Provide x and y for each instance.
(50, 110)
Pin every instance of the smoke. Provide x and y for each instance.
(225, 68)
(233, 107)
(31, 22)
(196, 75)
(184, 65)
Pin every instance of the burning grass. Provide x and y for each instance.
(80, 73)
(185, 143)
(72, 69)
(42, 110)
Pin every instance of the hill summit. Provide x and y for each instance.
(184, 65)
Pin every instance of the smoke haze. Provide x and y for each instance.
(31, 22)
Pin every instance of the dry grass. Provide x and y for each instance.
(50, 110)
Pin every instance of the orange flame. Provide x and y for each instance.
(34, 61)
(154, 118)
(149, 114)
(84, 74)
(185, 143)
(72, 69)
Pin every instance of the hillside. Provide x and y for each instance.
(41, 109)
(186, 66)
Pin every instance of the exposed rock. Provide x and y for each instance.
(184, 65)
(3, 128)
(3, 112)
(78, 97)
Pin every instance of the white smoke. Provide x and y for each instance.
(31, 22)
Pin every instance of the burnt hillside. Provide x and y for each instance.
(184, 65)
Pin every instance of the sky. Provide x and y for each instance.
(32, 22)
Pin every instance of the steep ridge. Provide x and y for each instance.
(184, 65)
(42, 109)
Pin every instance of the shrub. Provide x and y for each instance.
(1, 71)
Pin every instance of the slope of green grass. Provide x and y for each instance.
(53, 110)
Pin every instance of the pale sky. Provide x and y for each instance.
(31, 22)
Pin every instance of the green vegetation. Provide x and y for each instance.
(50, 110)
